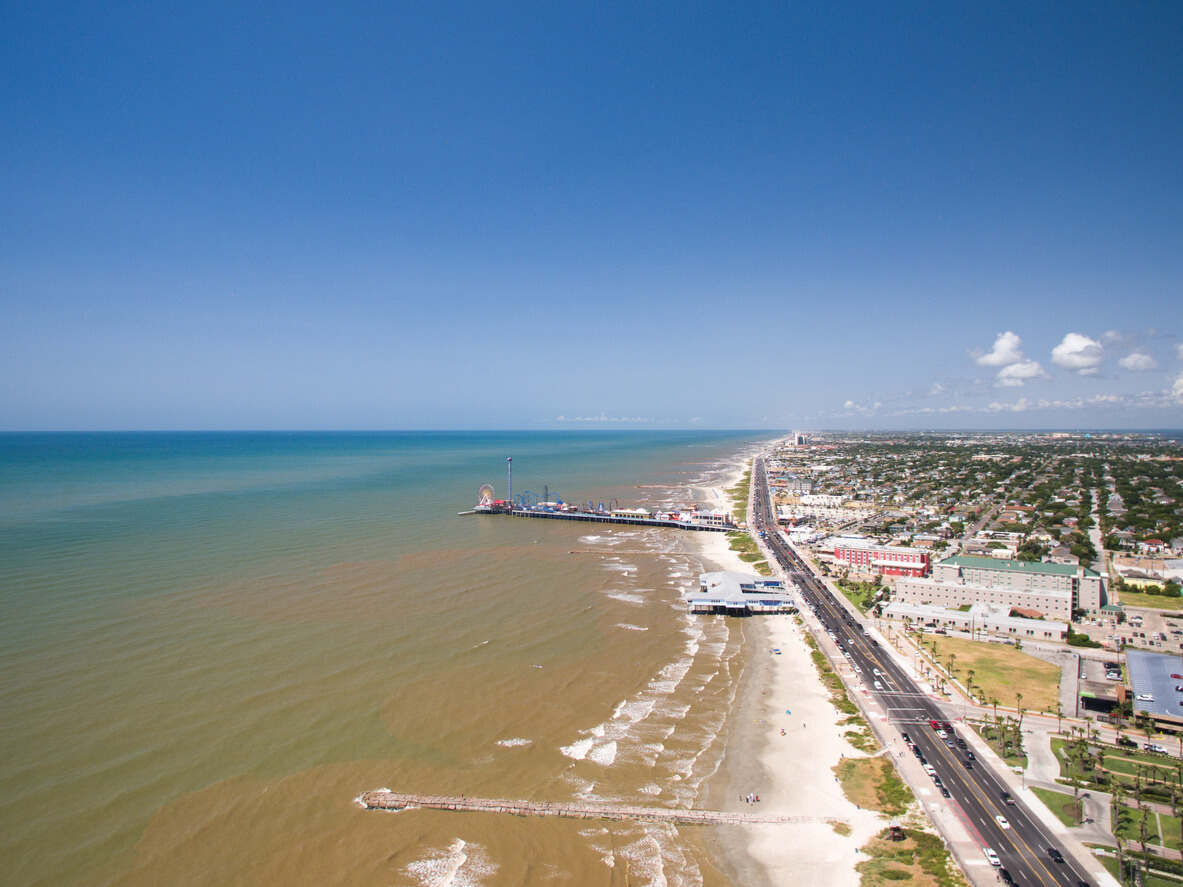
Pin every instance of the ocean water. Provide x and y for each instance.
(211, 644)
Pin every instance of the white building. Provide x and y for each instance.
(739, 594)
(1043, 581)
(1049, 603)
(979, 617)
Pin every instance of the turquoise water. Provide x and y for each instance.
(188, 621)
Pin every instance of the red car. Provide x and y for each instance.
(1177, 677)
(936, 725)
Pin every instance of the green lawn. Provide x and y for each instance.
(1128, 828)
(1150, 601)
(1111, 866)
(1163, 767)
(1059, 803)
(1170, 831)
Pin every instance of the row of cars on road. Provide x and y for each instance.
(948, 735)
(1005, 876)
(928, 768)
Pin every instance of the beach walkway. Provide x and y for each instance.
(387, 800)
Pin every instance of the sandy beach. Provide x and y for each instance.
(792, 773)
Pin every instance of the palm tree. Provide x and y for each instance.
(1075, 778)
(969, 687)
(994, 702)
(1059, 715)
(1142, 839)
(1116, 805)
(952, 663)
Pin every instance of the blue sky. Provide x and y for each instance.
(628, 215)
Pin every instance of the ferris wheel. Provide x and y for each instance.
(485, 494)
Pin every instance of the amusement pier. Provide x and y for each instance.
(388, 800)
(530, 505)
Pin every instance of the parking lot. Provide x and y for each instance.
(1143, 629)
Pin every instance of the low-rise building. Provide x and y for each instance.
(729, 593)
(995, 621)
(889, 560)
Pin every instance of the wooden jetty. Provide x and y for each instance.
(388, 800)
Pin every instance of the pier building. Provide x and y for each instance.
(728, 593)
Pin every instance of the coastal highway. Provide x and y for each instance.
(976, 793)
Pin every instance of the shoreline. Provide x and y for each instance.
(792, 774)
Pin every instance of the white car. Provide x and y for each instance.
(942, 734)
(991, 856)
(1001, 820)
(1145, 697)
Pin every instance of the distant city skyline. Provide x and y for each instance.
(531, 216)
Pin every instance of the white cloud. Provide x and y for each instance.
(1015, 367)
(1015, 375)
(600, 418)
(1179, 351)
(1138, 361)
(937, 388)
(850, 408)
(1161, 399)
(1080, 354)
(1019, 406)
(1006, 351)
